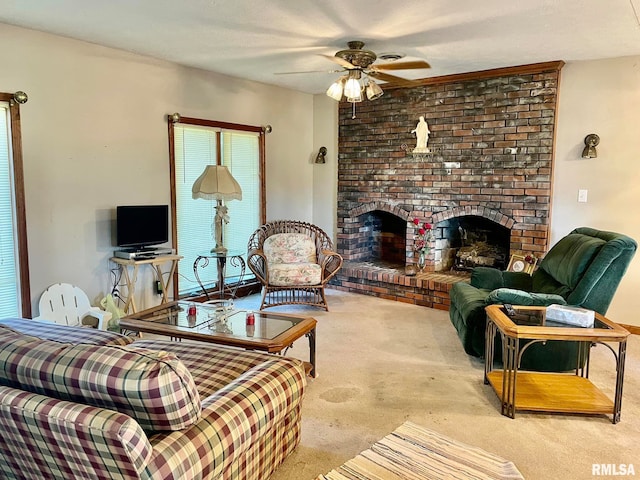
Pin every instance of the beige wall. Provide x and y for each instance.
(95, 136)
(601, 97)
(325, 175)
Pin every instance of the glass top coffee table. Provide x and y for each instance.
(550, 392)
(269, 332)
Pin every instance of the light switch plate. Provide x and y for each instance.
(582, 196)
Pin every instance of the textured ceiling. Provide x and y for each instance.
(257, 39)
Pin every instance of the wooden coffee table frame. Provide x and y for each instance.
(305, 328)
(551, 392)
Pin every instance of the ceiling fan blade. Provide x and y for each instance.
(339, 61)
(391, 78)
(309, 71)
(401, 65)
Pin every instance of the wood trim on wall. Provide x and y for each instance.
(632, 329)
(213, 123)
(263, 179)
(494, 72)
(172, 183)
(553, 152)
(21, 217)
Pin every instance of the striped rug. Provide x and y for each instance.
(414, 453)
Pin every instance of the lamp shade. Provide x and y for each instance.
(335, 90)
(216, 183)
(352, 88)
(373, 90)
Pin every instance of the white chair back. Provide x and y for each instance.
(66, 304)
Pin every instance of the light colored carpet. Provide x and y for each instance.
(382, 363)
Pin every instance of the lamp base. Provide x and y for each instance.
(219, 249)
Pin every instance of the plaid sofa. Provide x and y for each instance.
(78, 403)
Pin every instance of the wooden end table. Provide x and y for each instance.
(271, 332)
(131, 279)
(550, 392)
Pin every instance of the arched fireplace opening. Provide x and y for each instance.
(469, 241)
(382, 239)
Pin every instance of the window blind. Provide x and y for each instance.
(240, 154)
(9, 286)
(195, 147)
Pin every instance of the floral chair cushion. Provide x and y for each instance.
(289, 248)
(291, 259)
(290, 274)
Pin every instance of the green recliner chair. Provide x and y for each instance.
(583, 269)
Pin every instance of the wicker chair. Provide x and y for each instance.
(292, 277)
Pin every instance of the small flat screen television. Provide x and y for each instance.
(139, 226)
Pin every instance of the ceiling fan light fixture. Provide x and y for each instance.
(335, 90)
(353, 89)
(374, 90)
(358, 66)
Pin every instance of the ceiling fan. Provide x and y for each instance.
(359, 70)
(356, 58)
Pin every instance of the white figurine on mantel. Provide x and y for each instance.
(422, 136)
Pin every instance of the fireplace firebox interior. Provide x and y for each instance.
(383, 239)
(471, 241)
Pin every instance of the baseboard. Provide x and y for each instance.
(243, 290)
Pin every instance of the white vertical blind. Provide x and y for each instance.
(9, 285)
(195, 148)
(241, 155)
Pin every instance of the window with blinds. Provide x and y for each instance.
(195, 147)
(9, 283)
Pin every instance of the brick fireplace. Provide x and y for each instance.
(487, 179)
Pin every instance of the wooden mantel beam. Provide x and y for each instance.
(491, 73)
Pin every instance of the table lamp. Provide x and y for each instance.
(217, 183)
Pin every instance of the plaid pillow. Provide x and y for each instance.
(153, 387)
(64, 333)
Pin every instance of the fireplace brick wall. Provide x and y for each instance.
(491, 142)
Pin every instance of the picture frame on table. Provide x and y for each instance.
(522, 263)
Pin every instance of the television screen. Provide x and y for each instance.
(142, 225)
